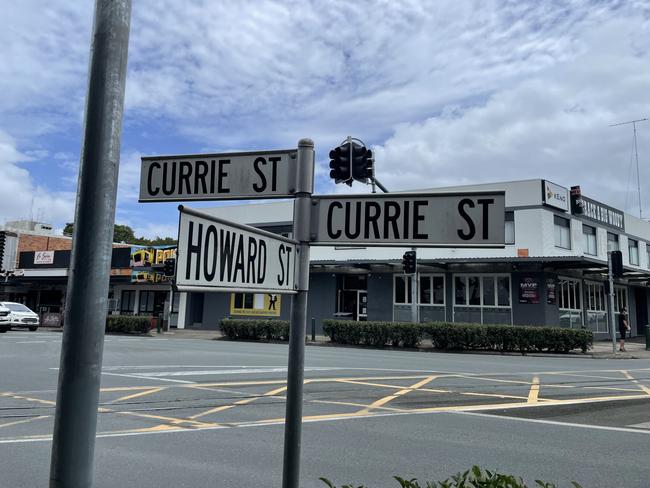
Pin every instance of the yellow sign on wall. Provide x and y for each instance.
(255, 304)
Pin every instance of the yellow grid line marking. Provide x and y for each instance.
(140, 394)
(534, 390)
(386, 399)
(29, 399)
(350, 404)
(244, 401)
(641, 386)
(171, 420)
(24, 421)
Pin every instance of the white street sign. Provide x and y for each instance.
(228, 176)
(473, 219)
(217, 255)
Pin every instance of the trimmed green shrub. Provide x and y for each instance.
(252, 329)
(128, 324)
(460, 337)
(472, 478)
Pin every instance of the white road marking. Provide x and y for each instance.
(145, 378)
(642, 425)
(205, 372)
(30, 342)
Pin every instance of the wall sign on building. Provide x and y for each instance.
(555, 196)
(44, 257)
(255, 304)
(529, 290)
(551, 297)
(595, 211)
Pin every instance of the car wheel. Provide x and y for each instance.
(3, 330)
(33, 328)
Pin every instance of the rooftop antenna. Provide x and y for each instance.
(636, 155)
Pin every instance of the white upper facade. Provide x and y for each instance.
(539, 211)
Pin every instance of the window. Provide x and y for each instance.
(432, 290)
(589, 236)
(244, 300)
(612, 242)
(482, 291)
(562, 232)
(620, 299)
(647, 253)
(633, 248)
(403, 288)
(510, 227)
(596, 305)
(128, 301)
(569, 302)
(146, 302)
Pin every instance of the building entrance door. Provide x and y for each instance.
(641, 300)
(352, 303)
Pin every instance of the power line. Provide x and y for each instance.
(636, 154)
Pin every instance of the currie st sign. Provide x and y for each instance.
(217, 255)
(473, 219)
(227, 176)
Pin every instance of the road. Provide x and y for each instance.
(185, 412)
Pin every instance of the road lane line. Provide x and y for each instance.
(140, 377)
(244, 401)
(534, 390)
(404, 391)
(24, 421)
(641, 386)
(138, 395)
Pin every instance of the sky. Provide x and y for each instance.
(445, 93)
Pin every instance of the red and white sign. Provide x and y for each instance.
(44, 257)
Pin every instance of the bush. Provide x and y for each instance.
(472, 478)
(251, 329)
(460, 337)
(128, 324)
(376, 334)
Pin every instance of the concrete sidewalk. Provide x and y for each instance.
(635, 347)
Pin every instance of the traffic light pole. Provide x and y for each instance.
(414, 291)
(75, 421)
(298, 324)
(610, 272)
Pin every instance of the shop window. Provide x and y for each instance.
(147, 299)
(569, 302)
(612, 242)
(482, 291)
(596, 306)
(127, 301)
(562, 232)
(510, 227)
(633, 249)
(620, 300)
(403, 287)
(432, 290)
(589, 240)
(244, 301)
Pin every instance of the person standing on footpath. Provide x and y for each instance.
(623, 327)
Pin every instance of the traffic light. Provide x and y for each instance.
(409, 262)
(362, 163)
(340, 164)
(170, 265)
(617, 264)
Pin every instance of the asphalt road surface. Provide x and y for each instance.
(197, 413)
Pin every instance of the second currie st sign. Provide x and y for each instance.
(473, 219)
(217, 255)
(227, 176)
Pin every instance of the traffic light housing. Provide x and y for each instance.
(362, 163)
(340, 168)
(409, 262)
(617, 264)
(170, 266)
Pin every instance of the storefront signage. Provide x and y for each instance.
(555, 196)
(227, 176)
(474, 219)
(44, 257)
(595, 211)
(214, 254)
(255, 304)
(551, 297)
(529, 290)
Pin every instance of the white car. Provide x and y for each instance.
(5, 319)
(20, 316)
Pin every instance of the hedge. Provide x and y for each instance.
(251, 329)
(457, 336)
(128, 324)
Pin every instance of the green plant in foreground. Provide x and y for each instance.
(472, 478)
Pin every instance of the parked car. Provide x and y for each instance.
(5, 319)
(21, 316)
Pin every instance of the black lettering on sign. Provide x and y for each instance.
(256, 166)
(150, 188)
(239, 259)
(274, 172)
(199, 177)
(223, 175)
(348, 220)
(417, 217)
(391, 215)
(485, 202)
(211, 248)
(252, 254)
(470, 224)
(193, 249)
(169, 178)
(227, 253)
(407, 213)
(330, 215)
(184, 177)
(284, 251)
(261, 262)
(371, 218)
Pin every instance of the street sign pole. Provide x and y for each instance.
(75, 423)
(295, 373)
(611, 300)
(414, 291)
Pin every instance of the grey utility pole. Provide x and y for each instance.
(610, 277)
(298, 325)
(75, 424)
(415, 312)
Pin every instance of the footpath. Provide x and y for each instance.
(635, 347)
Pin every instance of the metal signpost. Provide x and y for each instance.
(226, 176)
(473, 219)
(610, 279)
